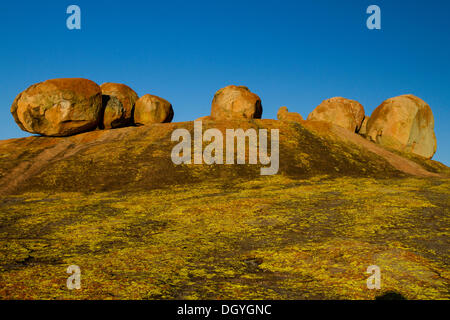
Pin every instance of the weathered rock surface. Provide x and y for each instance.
(343, 112)
(152, 109)
(111, 199)
(58, 107)
(404, 123)
(284, 115)
(204, 118)
(363, 130)
(118, 114)
(114, 115)
(236, 102)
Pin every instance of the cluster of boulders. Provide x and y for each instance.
(62, 107)
(404, 123)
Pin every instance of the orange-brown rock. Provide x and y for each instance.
(405, 123)
(343, 112)
(118, 114)
(58, 107)
(363, 130)
(284, 115)
(152, 109)
(236, 102)
(114, 114)
(205, 118)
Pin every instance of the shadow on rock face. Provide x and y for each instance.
(113, 114)
(391, 295)
(105, 99)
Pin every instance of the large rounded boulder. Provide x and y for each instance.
(58, 107)
(118, 103)
(152, 109)
(404, 123)
(343, 112)
(236, 102)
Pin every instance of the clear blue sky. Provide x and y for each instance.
(293, 53)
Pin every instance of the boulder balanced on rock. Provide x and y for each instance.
(404, 123)
(58, 107)
(284, 115)
(340, 111)
(152, 109)
(236, 102)
(118, 104)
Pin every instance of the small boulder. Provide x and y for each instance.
(343, 112)
(152, 109)
(363, 130)
(236, 102)
(115, 116)
(404, 123)
(58, 107)
(205, 118)
(284, 115)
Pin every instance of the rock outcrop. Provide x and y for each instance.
(236, 102)
(152, 109)
(404, 123)
(284, 115)
(58, 107)
(68, 106)
(118, 112)
(343, 112)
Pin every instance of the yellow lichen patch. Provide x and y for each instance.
(273, 237)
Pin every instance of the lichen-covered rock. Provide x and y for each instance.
(343, 112)
(152, 109)
(58, 107)
(284, 115)
(115, 116)
(404, 123)
(236, 102)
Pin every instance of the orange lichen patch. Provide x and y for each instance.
(83, 86)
